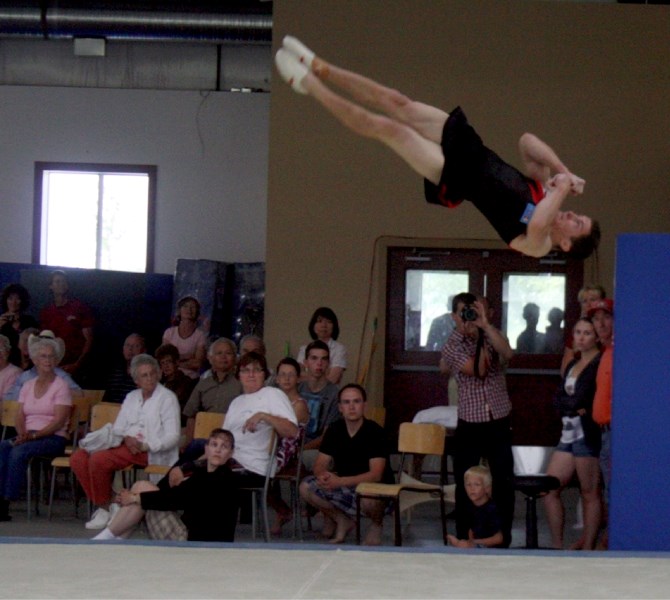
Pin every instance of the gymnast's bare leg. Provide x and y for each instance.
(411, 129)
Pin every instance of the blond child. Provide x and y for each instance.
(485, 526)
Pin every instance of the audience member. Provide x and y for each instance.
(579, 447)
(25, 362)
(253, 418)
(530, 340)
(602, 313)
(172, 377)
(485, 527)
(252, 343)
(14, 301)
(121, 382)
(147, 428)
(320, 396)
(475, 354)
(353, 451)
(9, 372)
(212, 394)
(324, 326)
(188, 337)
(554, 337)
(41, 421)
(31, 373)
(288, 375)
(71, 320)
(588, 294)
(440, 329)
(208, 499)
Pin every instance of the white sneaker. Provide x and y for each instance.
(299, 50)
(291, 70)
(99, 520)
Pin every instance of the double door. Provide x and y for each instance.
(531, 300)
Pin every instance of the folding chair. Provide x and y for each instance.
(414, 438)
(259, 495)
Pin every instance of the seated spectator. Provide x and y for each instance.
(208, 497)
(252, 343)
(24, 356)
(14, 301)
(253, 418)
(320, 396)
(45, 405)
(121, 382)
(71, 320)
(188, 337)
(148, 425)
(172, 378)
(288, 375)
(353, 451)
(9, 373)
(485, 525)
(212, 394)
(31, 373)
(325, 327)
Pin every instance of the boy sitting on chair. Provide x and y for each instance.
(485, 527)
(353, 451)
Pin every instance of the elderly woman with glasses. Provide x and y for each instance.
(148, 426)
(45, 404)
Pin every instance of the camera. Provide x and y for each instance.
(469, 313)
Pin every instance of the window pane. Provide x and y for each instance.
(428, 304)
(94, 217)
(124, 223)
(69, 219)
(534, 309)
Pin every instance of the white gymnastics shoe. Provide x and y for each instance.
(299, 50)
(292, 71)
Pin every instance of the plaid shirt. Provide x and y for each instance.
(479, 399)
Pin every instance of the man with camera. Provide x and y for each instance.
(475, 354)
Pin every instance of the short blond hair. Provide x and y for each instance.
(481, 472)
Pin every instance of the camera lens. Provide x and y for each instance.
(469, 314)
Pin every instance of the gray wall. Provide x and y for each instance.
(211, 150)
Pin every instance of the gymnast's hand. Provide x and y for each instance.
(576, 184)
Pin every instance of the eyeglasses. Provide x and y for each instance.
(251, 371)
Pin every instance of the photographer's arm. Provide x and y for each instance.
(494, 336)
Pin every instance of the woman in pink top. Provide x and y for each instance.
(45, 404)
(189, 339)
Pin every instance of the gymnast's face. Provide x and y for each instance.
(572, 225)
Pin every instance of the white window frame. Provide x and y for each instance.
(93, 168)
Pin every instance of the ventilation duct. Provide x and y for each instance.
(202, 24)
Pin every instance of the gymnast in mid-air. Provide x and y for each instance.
(449, 154)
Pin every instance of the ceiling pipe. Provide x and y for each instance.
(59, 23)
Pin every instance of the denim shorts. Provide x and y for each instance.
(579, 449)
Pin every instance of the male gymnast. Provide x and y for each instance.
(445, 150)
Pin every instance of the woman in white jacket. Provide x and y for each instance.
(149, 425)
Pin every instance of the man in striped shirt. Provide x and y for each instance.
(475, 354)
